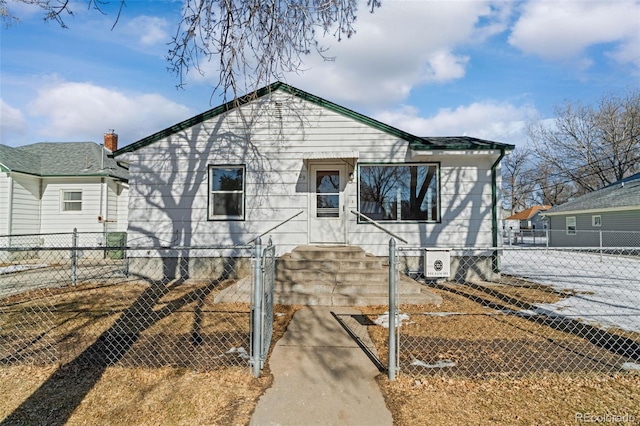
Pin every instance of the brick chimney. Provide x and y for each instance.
(111, 141)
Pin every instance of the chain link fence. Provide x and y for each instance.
(515, 311)
(89, 300)
(573, 238)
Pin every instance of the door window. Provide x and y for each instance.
(328, 193)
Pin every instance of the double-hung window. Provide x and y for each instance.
(226, 192)
(71, 201)
(400, 192)
(571, 225)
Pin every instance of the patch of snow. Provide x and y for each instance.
(383, 320)
(605, 290)
(440, 364)
(240, 351)
(19, 268)
(631, 366)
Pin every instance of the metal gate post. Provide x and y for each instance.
(74, 257)
(257, 310)
(392, 309)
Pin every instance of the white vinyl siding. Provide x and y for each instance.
(54, 220)
(26, 209)
(5, 203)
(173, 202)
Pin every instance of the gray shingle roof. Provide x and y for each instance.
(49, 159)
(624, 193)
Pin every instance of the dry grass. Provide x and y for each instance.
(42, 381)
(547, 399)
(482, 391)
(509, 371)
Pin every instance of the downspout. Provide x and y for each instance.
(494, 213)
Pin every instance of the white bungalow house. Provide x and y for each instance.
(307, 171)
(54, 187)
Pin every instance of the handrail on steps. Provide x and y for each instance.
(377, 225)
(280, 224)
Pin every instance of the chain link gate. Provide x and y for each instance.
(515, 311)
(262, 304)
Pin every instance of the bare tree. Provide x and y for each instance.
(518, 181)
(552, 187)
(253, 41)
(592, 146)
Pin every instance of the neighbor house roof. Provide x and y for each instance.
(621, 195)
(528, 213)
(57, 159)
(416, 142)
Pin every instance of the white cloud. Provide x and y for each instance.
(148, 30)
(498, 121)
(561, 30)
(400, 45)
(12, 123)
(83, 111)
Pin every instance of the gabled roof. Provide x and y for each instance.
(528, 213)
(58, 159)
(416, 142)
(623, 194)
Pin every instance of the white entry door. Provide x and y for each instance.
(327, 215)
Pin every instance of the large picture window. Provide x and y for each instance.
(226, 192)
(403, 192)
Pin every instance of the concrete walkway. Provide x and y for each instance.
(321, 376)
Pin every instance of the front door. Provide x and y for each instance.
(327, 221)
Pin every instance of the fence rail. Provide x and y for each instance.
(132, 306)
(508, 311)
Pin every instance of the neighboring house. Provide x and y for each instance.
(611, 213)
(529, 219)
(237, 171)
(56, 187)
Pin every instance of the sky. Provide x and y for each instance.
(484, 69)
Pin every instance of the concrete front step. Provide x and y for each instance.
(289, 263)
(328, 252)
(351, 288)
(332, 276)
(338, 277)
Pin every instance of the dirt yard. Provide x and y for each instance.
(508, 370)
(66, 393)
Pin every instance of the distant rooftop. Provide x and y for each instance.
(57, 159)
(622, 194)
(528, 213)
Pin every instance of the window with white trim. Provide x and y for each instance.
(596, 220)
(400, 192)
(571, 225)
(71, 201)
(226, 192)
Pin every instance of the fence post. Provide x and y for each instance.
(546, 231)
(600, 232)
(392, 309)
(74, 257)
(257, 309)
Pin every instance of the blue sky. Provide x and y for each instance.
(432, 68)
